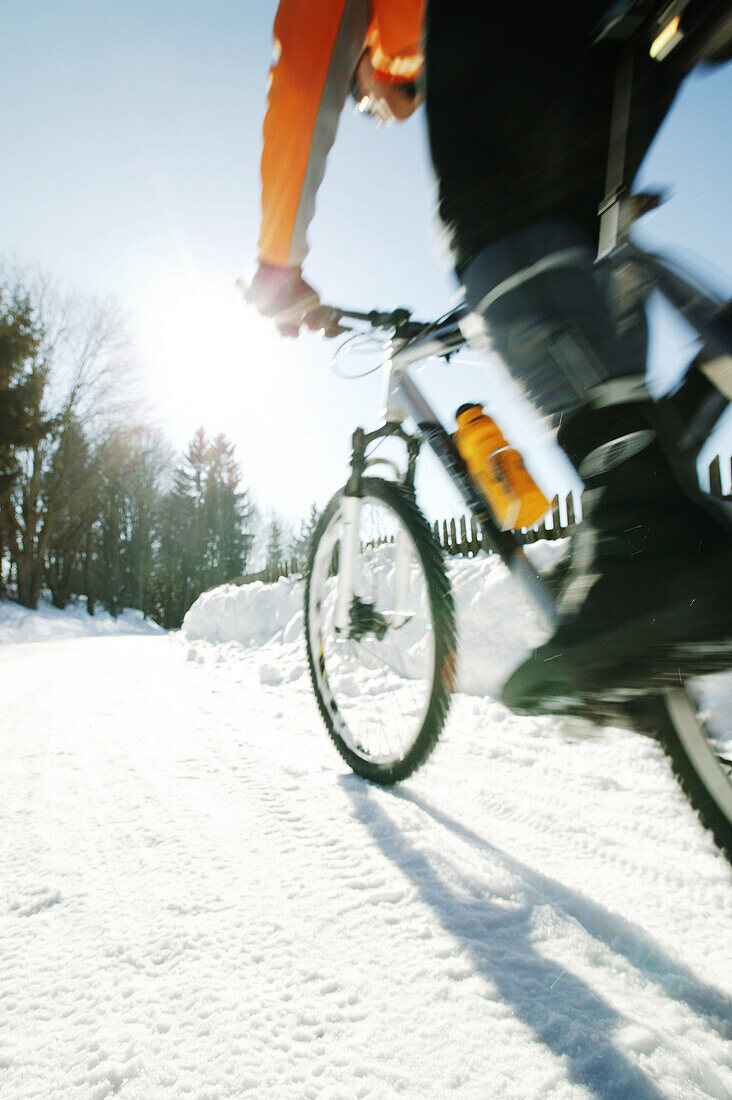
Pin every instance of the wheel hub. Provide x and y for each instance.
(365, 619)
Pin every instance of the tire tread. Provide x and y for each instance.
(438, 584)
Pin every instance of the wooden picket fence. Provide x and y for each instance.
(268, 576)
(463, 536)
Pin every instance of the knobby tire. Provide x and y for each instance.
(402, 503)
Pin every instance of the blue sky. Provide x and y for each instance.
(131, 141)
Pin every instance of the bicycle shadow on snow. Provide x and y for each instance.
(561, 1010)
(616, 932)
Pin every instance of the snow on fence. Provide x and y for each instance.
(462, 536)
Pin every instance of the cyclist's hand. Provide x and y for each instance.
(385, 101)
(282, 294)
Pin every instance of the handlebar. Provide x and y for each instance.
(399, 320)
(375, 318)
(328, 319)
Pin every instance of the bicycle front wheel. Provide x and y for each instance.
(384, 676)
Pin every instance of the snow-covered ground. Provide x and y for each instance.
(200, 900)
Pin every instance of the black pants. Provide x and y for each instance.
(519, 104)
(518, 109)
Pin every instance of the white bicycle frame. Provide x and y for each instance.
(402, 400)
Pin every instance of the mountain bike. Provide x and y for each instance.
(379, 616)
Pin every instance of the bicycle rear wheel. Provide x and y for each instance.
(383, 682)
(697, 737)
(693, 723)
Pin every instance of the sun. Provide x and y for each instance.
(203, 348)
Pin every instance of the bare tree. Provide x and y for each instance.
(82, 365)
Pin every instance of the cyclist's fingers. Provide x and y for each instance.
(325, 320)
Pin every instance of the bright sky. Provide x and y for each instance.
(131, 143)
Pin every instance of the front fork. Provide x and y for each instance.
(350, 543)
(347, 560)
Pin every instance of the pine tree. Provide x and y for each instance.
(133, 464)
(22, 381)
(227, 515)
(205, 532)
(71, 492)
(274, 552)
(179, 561)
(172, 581)
(150, 459)
(301, 544)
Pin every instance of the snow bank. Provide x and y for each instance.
(497, 625)
(251, 614)
(495, 621)
(19, 624)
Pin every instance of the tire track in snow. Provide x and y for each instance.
(239, 914)
(701, 999)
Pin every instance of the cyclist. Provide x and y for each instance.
(518, 105)
(322, 51)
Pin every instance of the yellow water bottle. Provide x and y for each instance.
(498, 470)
